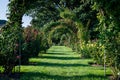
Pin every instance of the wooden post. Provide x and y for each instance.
(104, 64)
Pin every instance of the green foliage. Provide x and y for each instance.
(52, 10)
(8, 48)
(65, 27)
(44, 12)
(67, 14)
(85, 50)
(89, 50)
(87, 16)
(10, 39)
(30, 44)
(108, 17)
(97, 52)
(71, 14)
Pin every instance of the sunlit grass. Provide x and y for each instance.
(61, 65)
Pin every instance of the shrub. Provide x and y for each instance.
(30, 44)
(94, 50)
(86, 50)
(97, 52)
(8, 48)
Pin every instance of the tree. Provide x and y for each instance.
(30, 44)
(45, 12)
(108, 16)
(10, 42)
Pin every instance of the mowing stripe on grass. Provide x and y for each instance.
(61, 63)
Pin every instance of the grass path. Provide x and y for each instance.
(60, 63)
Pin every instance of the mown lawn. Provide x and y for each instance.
(60, 63)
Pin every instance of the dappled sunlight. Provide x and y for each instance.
(65, 40)
(61, 66)
(60, 49)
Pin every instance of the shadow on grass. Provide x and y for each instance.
(13, 76)
(61, 58)
(47, 64)
(43, 76)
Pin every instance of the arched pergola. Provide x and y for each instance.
(12, 33)
(63, 27)
(17, 8)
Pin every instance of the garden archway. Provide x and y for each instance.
(17, 8)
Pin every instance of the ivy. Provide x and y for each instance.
(108, 17)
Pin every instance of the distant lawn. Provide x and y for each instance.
(60, 63)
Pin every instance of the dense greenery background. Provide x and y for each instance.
(89, 27)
